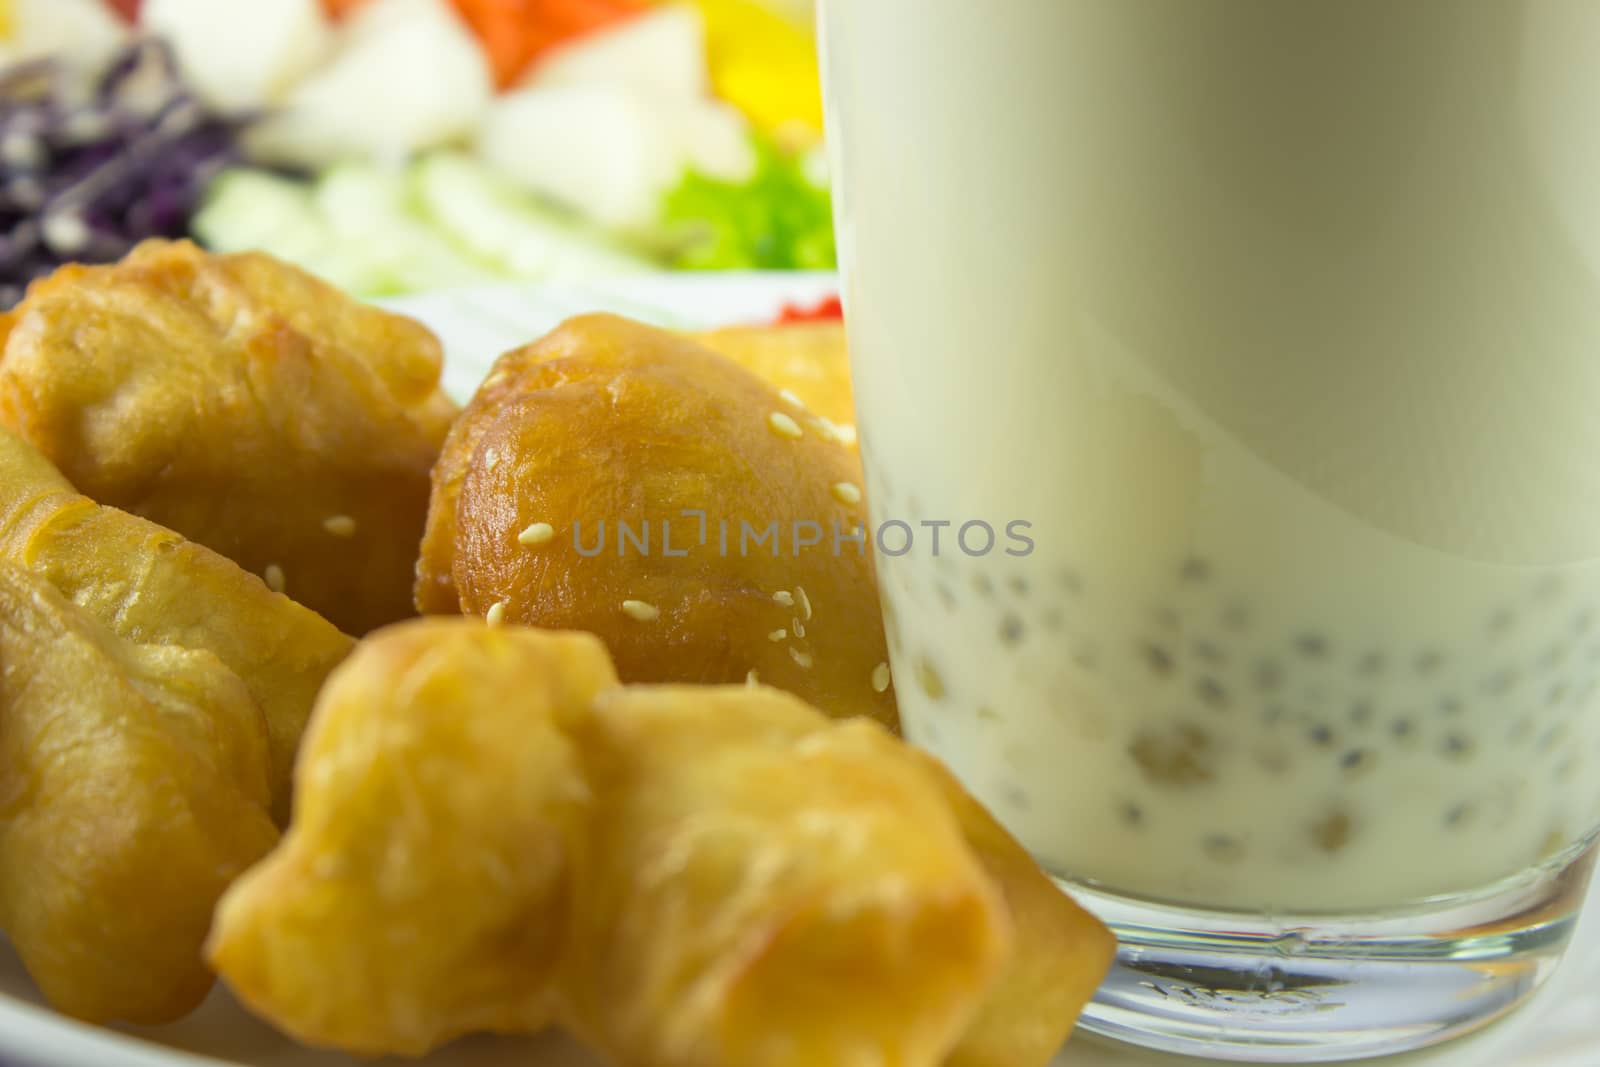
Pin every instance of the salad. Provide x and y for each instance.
(396, 145)
(86, 176)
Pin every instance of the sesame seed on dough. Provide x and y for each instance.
(805, 603)
(643, 612)
(881, 678)
(496, 614)
(802, 658)
(798, 627)
(491, 459)
(784, 426)
(792, 400)
(847, 493)
(340, 525)
(751, 680)
(778, 635)
(537, 534)
(784, 597)
(276, 580)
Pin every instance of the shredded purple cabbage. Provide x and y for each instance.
(86, 174)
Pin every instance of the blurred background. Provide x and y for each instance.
(396, 146)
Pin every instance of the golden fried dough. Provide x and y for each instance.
(809, 359)
(243, 404)
(606, 421)
(1062, 952)
(762, 887)
(150, 586)
(491, 833)
(422, 891)
(133, 787)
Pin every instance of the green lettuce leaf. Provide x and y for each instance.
(778, 219)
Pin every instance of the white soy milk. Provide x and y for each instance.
(1280, 323)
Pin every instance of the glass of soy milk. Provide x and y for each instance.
(1264, 338)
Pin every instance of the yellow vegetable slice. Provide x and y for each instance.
(763, 62)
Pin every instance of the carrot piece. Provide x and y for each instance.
(572, 17)
(340, 8)
(515, 32)
(503, 28)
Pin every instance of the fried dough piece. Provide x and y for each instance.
(150, 586)
(491, 834)
(762, 887)
(243, 404)
(133, 788)
(1062, 952)
(608, 421)
(422, 891)
(809, 359)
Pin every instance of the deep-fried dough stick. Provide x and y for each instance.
(490, 833)
(422, 891)
(151, 586)
(740, 796)
(133, 788)
(762, 887)
(1062, 952)
(244, 404)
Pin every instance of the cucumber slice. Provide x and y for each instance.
(251, 209)
(446, 222)
(501, 224)
(370, 207)
(351, 229)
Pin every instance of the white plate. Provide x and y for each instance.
(1561, 1028)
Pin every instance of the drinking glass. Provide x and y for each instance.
(1228, 376)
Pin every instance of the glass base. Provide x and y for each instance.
(1284, 989)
